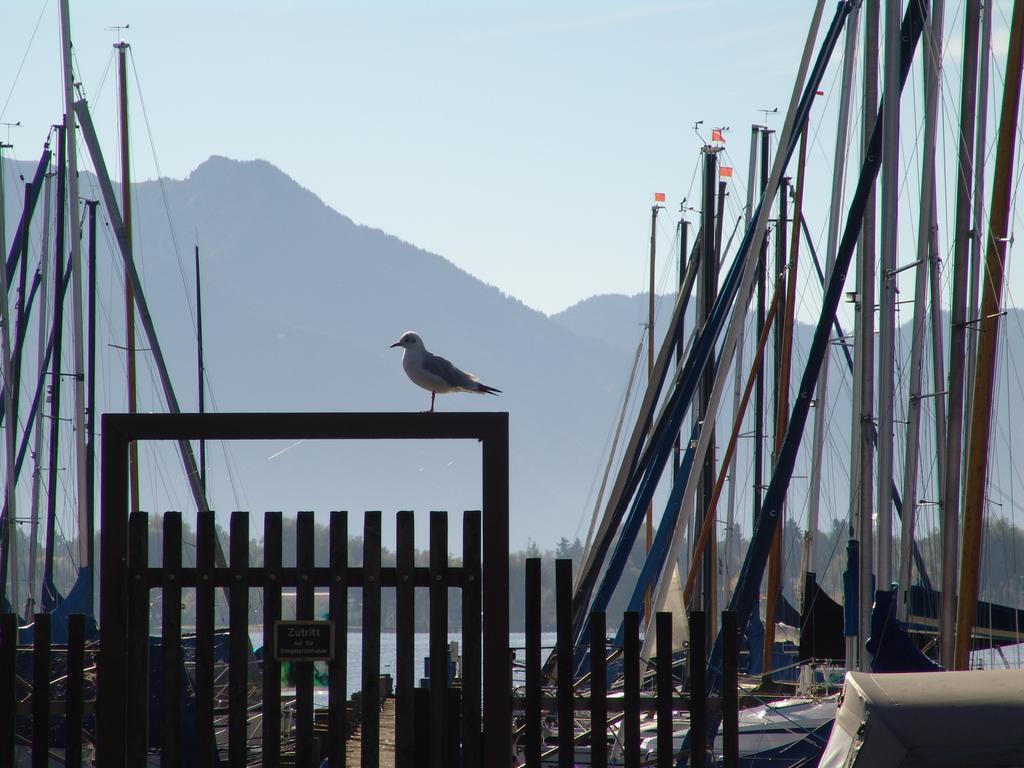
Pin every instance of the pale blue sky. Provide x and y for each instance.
(521, 141)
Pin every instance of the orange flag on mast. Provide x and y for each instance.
(716, 135)
(724, 171)
(659, 197)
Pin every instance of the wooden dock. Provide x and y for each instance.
(387, 739)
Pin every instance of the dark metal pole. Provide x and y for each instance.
(705, 300)
(90, 423)
(6, 528)
(649, 523)
(20, 306)
(730, 692)
(780, 316)
(778, 402)
(698, 690)
(684, 232)
(201, 369)
(129, 298)
(49, 595)
(759, 389)
(710, 571)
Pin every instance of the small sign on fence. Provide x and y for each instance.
(303, 640)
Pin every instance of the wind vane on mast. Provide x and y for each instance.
(119, 29)
(7, 144)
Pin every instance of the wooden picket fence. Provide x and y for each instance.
(43, 699)
(202, 699)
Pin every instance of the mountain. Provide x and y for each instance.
(617, 319)
(300, 305)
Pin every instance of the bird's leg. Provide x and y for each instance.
(432, 396)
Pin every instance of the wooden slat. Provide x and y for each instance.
(304, 748)
(73, 695)
(663, 639)
(170, 644)
(205, 546)
(238, 641)
(41, 665)
(698, 699)
(438, 639)
(271, 726)
(598, 693)
(369, 757)
(631, 688)
(533, 662)
(471, 597)
(8, 689)
(453, 730)
(730, 692)
(338, 669)
(406, 749)
(497, 704)
(112, 692)
(137, 659)
(563, 624)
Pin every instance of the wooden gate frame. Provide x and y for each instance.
(119, 430)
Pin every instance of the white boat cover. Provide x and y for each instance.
(923, 719)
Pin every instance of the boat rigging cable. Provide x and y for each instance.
(757, 553)
(660, 444)
(625, 481)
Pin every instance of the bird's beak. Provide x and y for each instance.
(396, 344)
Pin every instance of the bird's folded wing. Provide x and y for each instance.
(443, 369)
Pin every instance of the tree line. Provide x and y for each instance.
(1002, 576)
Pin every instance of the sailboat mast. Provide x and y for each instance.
(984, 375)
(201, 367)
(759, 389)
(862, 476)
(887, 285)
(78, 341)
(49, 594)
(11, 418)
(649, 522)
(37, 451)
(809, 555)
(707, 255)
(950, 522)
(706, 292)
(779, 403)
(22, 298)
(684, 236)
(129, 299)
(90, 442)
(980, 144)
(932, 69)
(744, 305)
(938, 361)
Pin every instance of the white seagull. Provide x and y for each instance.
(435, 374)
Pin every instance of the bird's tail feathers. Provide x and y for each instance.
(484, 389)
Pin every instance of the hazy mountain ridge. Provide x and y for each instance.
(618, 319)
(300, 305)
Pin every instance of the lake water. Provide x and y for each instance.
(388, 643)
